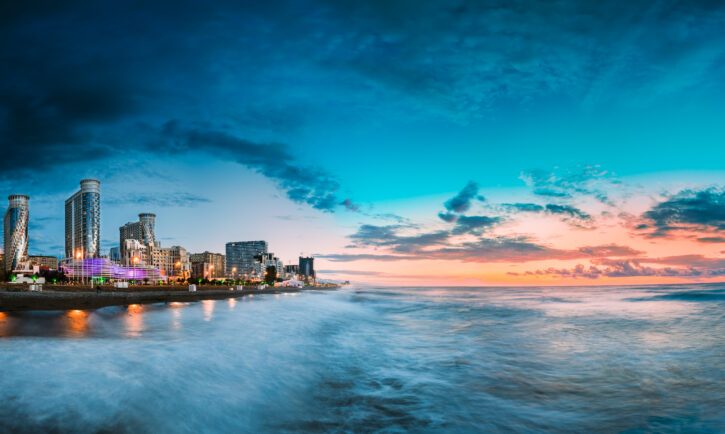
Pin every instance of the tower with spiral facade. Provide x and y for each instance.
(15, 231)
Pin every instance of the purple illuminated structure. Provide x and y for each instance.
(95, 268)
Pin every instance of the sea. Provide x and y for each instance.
(632, 359)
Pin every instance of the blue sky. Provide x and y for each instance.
(284, 112)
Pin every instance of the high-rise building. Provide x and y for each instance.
(307, 267)
(144, 231)
(83, 221)
(242, 257)
(115, 254)
(207, 265)
(16, 233)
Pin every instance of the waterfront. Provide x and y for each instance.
(602, 359)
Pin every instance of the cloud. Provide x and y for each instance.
(567, 210)
(350, 205)
(582, 181)
(307, 185)
(524, 207)
(474, 224)
(610, 250)
(702, 210)
(711, 239)
(551, 208)
(351, 272)
(163, 200)
(439, 245)
(353, 257)
(462, 201)
(689, 266)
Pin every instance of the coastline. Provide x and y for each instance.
(74, 298)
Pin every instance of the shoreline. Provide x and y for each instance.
(83, 299)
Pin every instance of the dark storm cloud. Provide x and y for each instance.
(77, 78)
(688, 209)
(308, 185)
(462, 201)
(468, 56)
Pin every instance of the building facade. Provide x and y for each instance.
(15, 240)
(267, 260)
(83, 221)
(144, 230)
(207, 265)
(115, 254)
(182, 262)
(134, 253)
(307, 268)
(46, 262)
(242, 257)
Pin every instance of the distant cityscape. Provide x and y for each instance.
(139, 256)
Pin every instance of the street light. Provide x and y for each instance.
(135, 262)
(79, 257)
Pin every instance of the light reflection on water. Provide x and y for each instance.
(392, 359)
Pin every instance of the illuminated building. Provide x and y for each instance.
(16, 233)
(242, 256)
(181, 262)
(95, 269)
(144, 230)
(83, 221)
(207, 265)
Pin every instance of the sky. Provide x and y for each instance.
(399, 142)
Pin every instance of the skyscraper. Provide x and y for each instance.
(16, 233)
(242, 256)
(307, 267)
(144, 231)
(83, 221)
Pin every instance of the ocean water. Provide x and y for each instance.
(607, 359)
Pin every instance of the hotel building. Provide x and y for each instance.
(83, 221)
(242, 257)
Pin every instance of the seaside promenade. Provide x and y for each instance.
(58, 297)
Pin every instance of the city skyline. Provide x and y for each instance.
(398, 144)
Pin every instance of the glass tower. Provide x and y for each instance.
(16, 232)
(242, 256)
(83, 221)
